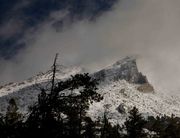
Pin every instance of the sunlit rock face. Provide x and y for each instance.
(125, 69)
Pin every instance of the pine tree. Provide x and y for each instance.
(3, 128)
(109, 131)
(47, 113)
(164, 126)
(12, 115)
(134, 125)
(89, 128)
(13, 124)
(61, 108)
(106, 127)
(78, 103)
(171, 127)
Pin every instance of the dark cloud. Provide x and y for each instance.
(17, 17)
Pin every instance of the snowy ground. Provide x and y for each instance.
(125, 94)
(115, 93)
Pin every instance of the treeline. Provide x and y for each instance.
(60, 112)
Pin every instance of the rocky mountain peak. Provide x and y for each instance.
(124, 69)
(127, 60)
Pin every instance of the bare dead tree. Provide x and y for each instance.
(51, 79)
(54, 72)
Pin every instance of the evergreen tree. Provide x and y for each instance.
(172, 129)
(109, 131)
(47, 113)
(12, 114)
(78, 102)
(3, 130)
(134, 125)
(166, 127)
(89, 128)
(12, 122)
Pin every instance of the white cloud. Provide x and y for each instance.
(148, 29)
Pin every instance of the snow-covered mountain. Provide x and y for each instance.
(121, 85)
(123, 69)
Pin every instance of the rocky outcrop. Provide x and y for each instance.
(121, 109)
(145, 88)
(125, 69)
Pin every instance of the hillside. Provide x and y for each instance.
(121, 85)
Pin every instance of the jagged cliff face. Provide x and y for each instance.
(125, 69)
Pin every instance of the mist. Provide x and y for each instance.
(146, 29)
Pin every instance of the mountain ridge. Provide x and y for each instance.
(120, 95)
(125, 68)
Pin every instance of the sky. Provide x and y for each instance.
(91, 34)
